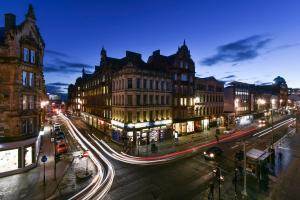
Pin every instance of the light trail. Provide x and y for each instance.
(103, 180)
(122, 157)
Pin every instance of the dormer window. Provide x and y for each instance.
(29, 56)
(26, 55)
(32, 56)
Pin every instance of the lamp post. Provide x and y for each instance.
(245, 175)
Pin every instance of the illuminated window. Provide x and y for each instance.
(24, 78)
(28, 156)
(25, 102)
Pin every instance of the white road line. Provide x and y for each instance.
(235, 146)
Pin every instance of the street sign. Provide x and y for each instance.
(44, 159)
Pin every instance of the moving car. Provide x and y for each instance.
(229, 131)
(262, 121)
(212, 153)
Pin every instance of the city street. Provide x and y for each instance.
(190, 176)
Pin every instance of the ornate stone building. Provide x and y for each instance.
(164, 99)
(209, 103)
(21, 92)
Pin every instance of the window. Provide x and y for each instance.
(138, 83)
(151, 99)
(156, 85)
(167, 86)
(186, 65)
(167, 114)
(157, 99)
(181, 64)
(145, 115)
(24, 78)
(151, 115)
(138, 116)
(31, 102)
(26, 55)
(145, 83)
(129, 116)
(145, 99)
(138, 100)
(32, 56)
(129, 83)
(129, 100)
(168, 100)
(151, 84)
(31, 79)
(25, 102)
(156, 115)
(162, 113)
(162, 85)
(184, 77)
(162, 100)
(175, 77)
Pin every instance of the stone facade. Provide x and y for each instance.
(21, 90)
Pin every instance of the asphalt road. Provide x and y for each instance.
(186, 178)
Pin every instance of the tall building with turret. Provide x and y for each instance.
(22, 90)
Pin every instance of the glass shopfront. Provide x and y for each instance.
(28, 156)
(9, 160)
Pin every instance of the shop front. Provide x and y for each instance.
(244, 120)
(184, 128)
(141, 133)
(96, 122)
(19, 156)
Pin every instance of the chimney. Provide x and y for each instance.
(10, 21)
(156, 52)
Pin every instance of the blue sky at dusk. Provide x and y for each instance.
(250, 41)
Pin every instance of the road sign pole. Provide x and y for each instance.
(245, 176)
(87, 165)
(44, 175)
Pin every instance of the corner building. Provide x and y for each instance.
(21, 91)
(128, 97)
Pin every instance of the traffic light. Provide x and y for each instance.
(57, 157)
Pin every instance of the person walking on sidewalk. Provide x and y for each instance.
(217, 137)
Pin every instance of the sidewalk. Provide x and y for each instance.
(29, 185)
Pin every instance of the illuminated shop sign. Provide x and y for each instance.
(116, 123)
(162, 122)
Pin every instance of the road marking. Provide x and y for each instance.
(235, 146)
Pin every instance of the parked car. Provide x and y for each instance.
(61, 148)
(212, 153)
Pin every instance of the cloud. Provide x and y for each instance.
(58, 88)
(229, 77)
(59, 62)
(64, 66)
(238, 51)
(56, 53)
(53, 89)
(58, 84)
(262, 83)
(282, 47)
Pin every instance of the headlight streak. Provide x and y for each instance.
(123, 157)
(99, 187)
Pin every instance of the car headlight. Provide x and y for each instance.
(221, 178)
(204, 152)
(211, 155)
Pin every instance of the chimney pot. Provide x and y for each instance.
(10, 21)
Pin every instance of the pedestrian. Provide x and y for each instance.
(217, 138)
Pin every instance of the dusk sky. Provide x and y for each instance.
(250, 41)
